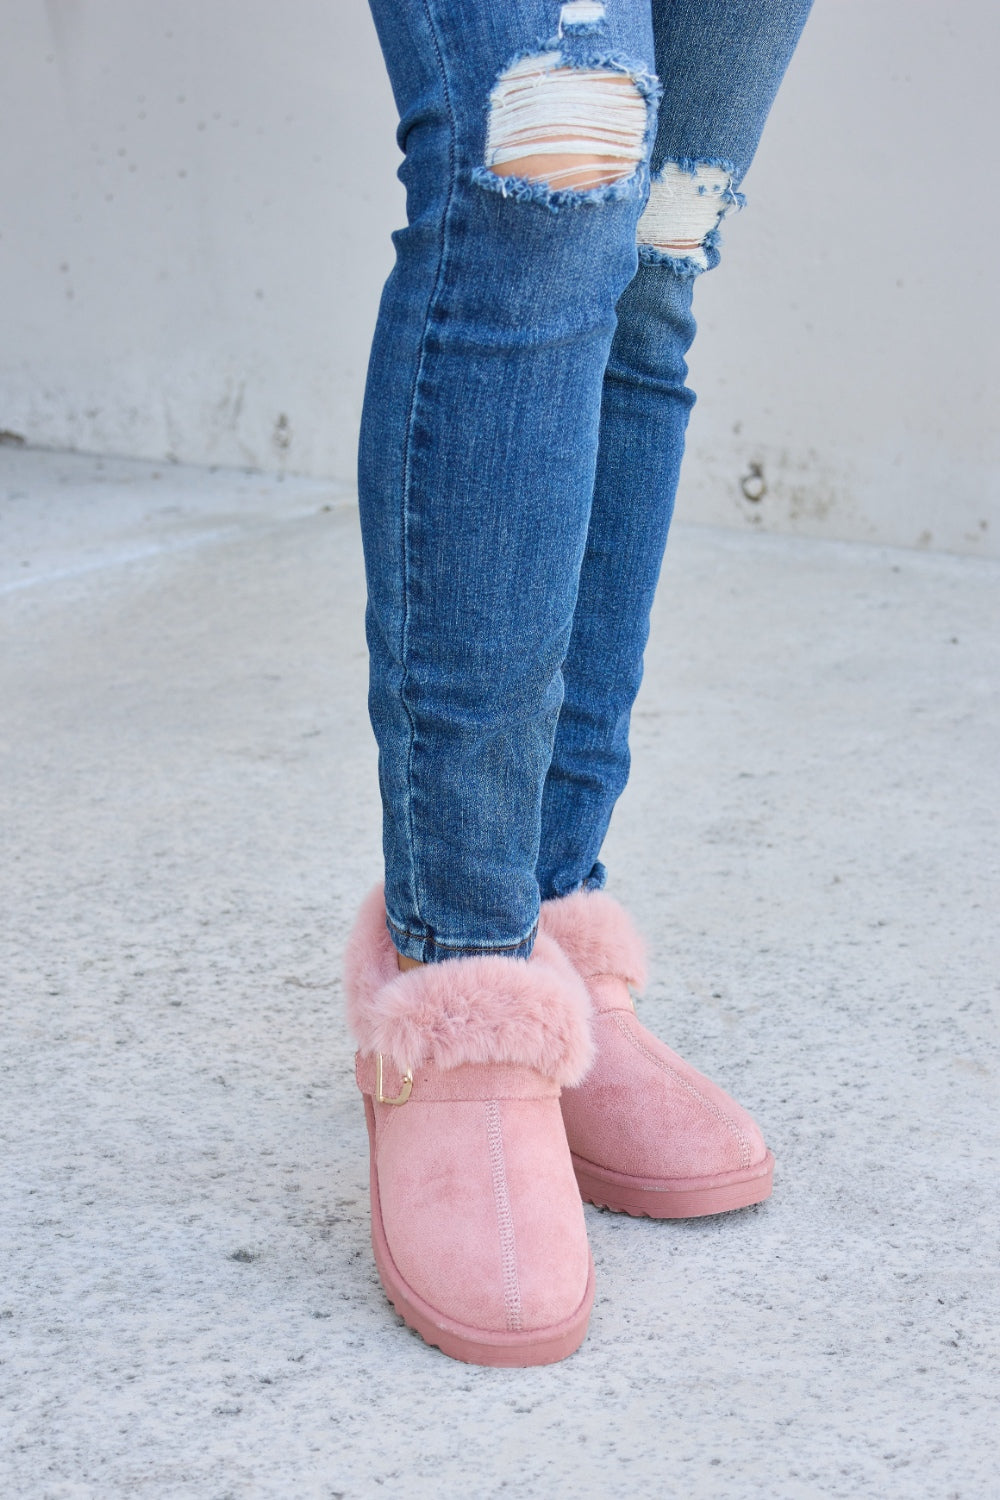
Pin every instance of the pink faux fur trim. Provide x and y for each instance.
(597, 935)
(533, 1013)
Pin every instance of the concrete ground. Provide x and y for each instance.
(188, 1302)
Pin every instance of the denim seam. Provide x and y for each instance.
(408, 456)
(476, 951)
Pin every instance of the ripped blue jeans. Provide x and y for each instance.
(524, 423)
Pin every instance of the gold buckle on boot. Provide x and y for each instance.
(404, 1092)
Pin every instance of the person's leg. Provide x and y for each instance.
(525, 167)
(480, 431)
(649, 1134)
(719, 67)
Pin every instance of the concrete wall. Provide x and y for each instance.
(195, 207)
(848, 344)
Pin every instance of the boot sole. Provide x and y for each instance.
(693, 1198)
(474, 1346)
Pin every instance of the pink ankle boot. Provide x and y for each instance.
(649, 1135)
(477, 1223)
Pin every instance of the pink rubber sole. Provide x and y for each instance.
(652, 1199)
(474, 1346)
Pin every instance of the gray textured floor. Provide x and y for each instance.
(188, 1304)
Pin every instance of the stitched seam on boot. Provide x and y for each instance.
(746, 1152)
(505, 1219)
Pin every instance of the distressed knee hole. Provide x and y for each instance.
(565, 127)
(680, 223)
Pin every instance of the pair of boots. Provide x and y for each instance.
(498, 1093)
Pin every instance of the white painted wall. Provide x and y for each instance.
(195, 206)
(849, 341)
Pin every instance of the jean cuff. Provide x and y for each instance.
(430, 950)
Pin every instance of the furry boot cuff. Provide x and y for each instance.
(597, 935)
(533, 1013)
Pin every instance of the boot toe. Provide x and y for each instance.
(668, 1141)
